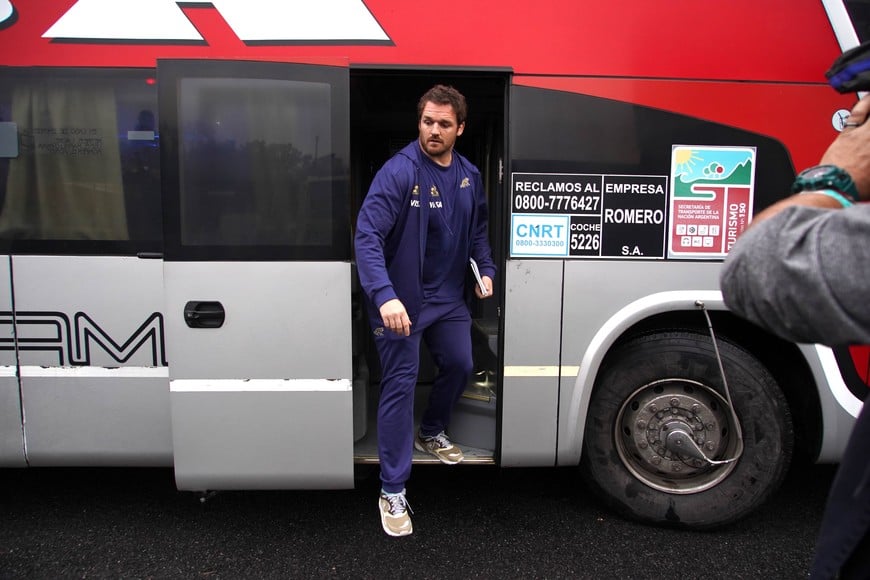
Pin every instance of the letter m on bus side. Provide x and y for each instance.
(52, 332)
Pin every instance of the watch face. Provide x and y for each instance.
(817, 172)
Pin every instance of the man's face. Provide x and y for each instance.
(439, 130)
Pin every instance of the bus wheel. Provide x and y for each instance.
(660, 432)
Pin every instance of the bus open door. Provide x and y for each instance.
(383, 120)
(257, 273)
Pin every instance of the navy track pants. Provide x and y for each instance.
(446, 329)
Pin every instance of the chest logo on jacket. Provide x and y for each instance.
(434, 203)
(433, 193)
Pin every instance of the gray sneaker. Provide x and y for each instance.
(394, 513)
(439, 446)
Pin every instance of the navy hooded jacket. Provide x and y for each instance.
(391, 231)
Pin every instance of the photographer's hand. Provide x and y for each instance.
(851, 149)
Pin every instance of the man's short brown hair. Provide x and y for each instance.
(444, 95)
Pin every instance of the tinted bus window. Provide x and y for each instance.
(87, 172)
(859, 12)
(256, 162)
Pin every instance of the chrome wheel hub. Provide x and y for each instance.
(667, 430)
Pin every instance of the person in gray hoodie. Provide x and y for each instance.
(802, 271)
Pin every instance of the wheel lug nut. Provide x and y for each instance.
(710, 446)
(695, 408)
(641, 424)
(643, 444)
(653, 408)
(677, 467)
(675, 402)
(656, 460)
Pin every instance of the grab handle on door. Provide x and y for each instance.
(204, 314)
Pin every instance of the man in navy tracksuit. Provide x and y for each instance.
(424, 217)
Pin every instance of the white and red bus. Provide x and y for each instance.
(179, 182)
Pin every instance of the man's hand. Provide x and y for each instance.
(487, 282)
(851, 149)
(395, 317)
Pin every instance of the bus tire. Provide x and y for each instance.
(655, 383)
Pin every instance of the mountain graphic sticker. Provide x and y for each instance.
(712, 191)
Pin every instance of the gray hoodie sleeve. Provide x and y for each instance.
(804, 274)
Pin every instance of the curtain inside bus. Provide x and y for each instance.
(67, 181)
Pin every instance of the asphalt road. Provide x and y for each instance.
(470, 522)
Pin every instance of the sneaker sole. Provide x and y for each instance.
(422, 449)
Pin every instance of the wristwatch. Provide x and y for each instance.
(825, 177)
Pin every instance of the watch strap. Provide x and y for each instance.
(826, 177)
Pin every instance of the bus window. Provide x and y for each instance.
(87, 174)
(859, 12)
(257, 159)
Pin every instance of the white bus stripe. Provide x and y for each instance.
(94, 372)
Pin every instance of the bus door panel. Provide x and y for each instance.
(257, 274)
(11, 435)
(93, 366)
(531, 362)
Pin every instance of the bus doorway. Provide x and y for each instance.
(383, 119)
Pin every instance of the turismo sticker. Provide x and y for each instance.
(712, 190)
